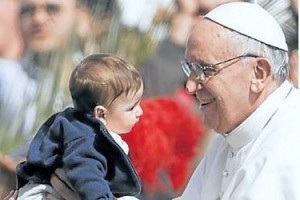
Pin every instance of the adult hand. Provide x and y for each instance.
(61, 184)
(12, 195)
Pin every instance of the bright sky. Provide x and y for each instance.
(140, 12)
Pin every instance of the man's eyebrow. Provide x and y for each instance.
(201, 62)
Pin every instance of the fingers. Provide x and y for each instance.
(7, 163)
(62, 188)
(60, 174)
(51, 197)
(12, 195)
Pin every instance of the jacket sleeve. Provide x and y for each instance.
(86, 169)
(42, 158)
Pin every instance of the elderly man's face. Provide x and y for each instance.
(47, 24)
(226, 98)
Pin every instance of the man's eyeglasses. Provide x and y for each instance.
(204, 72)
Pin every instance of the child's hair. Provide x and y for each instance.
(99, 79)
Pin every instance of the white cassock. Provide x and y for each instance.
(259, 160)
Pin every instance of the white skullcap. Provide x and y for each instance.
(251, 20)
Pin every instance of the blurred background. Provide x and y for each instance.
(42, 40)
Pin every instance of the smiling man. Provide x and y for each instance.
(237, 67)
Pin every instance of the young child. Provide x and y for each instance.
(84, 141)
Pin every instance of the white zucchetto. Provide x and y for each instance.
(251, 20)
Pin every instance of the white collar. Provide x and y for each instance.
(255, 123)
(118, 139)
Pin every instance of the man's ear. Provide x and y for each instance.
(262, 75)
(100, 113)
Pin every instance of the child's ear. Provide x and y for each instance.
(100, 113)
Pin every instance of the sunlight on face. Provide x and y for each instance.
(124, 113)
(224, 98)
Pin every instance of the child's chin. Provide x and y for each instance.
(124, 132)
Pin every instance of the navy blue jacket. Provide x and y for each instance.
(95, 164)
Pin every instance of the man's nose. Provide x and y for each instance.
(40, 15)
(192, 86)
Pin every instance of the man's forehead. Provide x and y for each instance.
(207, 42)
(207, 31)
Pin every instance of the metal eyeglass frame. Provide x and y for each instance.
(204, 72)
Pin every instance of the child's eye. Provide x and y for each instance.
(134, 106)
(131, 108)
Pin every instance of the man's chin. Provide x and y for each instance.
(41, 47)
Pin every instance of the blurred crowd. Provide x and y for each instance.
(42, 40)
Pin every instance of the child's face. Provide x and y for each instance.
(124, 113)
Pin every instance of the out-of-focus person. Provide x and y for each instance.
(294, 54)
(11, 48)
(55, 35)
(11, 42)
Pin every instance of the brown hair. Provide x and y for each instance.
(99, 79)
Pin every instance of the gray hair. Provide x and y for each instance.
(278, 58)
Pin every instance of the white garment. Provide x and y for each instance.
(259, 160)
(36, 192)
(127, 198)
(40, 192)
(118, 139)
(17, 96)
